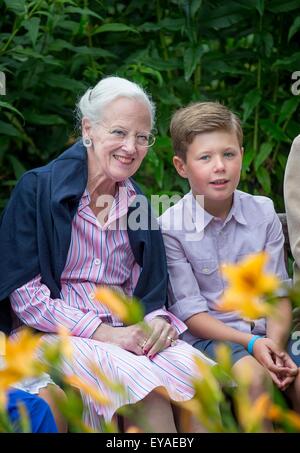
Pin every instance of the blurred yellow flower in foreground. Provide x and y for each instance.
(76, 381)
(128, 310)
(248, 283)
(19, 360)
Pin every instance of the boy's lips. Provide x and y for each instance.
(219, 182)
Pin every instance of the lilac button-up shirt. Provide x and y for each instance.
(198, 243)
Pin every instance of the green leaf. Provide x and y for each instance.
(32, 25)
(18, 167)
(82, 11)
(278, 6)
(113, 27)
(17, 6)
(95, 52)
(8, 129)
(260, 5)
(251, 100)
(273, 130)
(8, 106)
(43, 119)
(288, 63)
(264, 152)
(294, 28)
(249, 155)
(288, 108)
(268, 41)
(191, 59)
(264, 179)
(62, 81)
(195, 6)
(223, 16)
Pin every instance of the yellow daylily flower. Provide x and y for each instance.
(113, 301)
(96, 394)
(115, 386)
(20, 360)
(249, 307)
(224, 357)
(65, 342)
(248, 275)
(248, 283)
(128, 310)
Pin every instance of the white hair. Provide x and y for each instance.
(92, 104)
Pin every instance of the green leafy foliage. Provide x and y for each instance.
(241, 53)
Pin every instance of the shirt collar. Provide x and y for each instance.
(202, 218)
(126, 196)
(236, 210)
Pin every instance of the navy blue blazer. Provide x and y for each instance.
(35, 233)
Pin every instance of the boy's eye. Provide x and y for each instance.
(229, 154)
(204, 157)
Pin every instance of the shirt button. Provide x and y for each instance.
(97, 261)
(92, 296)
(205, 270)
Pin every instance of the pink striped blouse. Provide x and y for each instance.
(100, 255)
(97, 255)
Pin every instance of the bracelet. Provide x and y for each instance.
(251, 343)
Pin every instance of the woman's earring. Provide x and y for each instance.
(87, 142)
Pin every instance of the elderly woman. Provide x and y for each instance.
(60, 240)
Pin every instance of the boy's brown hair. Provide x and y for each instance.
(198, 118)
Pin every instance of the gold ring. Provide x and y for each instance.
(143, 344)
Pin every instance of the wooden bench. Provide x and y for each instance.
(287, 247)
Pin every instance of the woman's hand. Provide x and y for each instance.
(140, 339)
(131, 338)
(162, 335)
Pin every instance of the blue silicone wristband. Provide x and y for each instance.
(251, 343)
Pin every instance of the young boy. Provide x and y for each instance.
(229, 224)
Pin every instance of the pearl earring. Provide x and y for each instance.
(87, 142)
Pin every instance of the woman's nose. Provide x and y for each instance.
(129, 144)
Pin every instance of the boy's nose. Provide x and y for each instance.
(219, 164)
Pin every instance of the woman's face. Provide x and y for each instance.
(118, 150)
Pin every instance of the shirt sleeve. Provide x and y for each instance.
(34, 307)
(176, 323)
(275, 249)
(184, 295)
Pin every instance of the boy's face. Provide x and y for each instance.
(213, 165)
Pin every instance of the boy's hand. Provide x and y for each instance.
(286, 378)
(280, 366)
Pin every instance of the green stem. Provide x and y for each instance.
(90, 40)
(258, 86)
(197, 76)
(163, 38)
(17, 28)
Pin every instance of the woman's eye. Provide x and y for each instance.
(142, 136)
(118, 133)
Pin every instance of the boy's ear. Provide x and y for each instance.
(180, 166)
